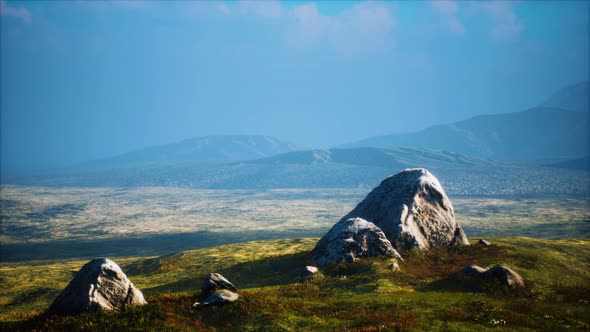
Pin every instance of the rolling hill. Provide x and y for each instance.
(537, 133)
(573, 97)
(207, 149)
(396, 158)
(559, 128)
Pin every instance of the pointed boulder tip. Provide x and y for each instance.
(412, 210)
(100, 285)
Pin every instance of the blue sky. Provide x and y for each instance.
(89, 79)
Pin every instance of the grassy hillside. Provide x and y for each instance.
(361, 296)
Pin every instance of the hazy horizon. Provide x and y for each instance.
(86, 80)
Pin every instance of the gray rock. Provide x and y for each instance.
(499, 273)
(99, 285)
(351, 239)
(214, 282)
(483, 242)
(471, 271)
(413, 211)
(220, 297)
(505, 275)
(393, 267)
(310, 270)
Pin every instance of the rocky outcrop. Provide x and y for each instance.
(351, 239)
(217, 290)
(412, 210)
(99, 285)
(499, 273)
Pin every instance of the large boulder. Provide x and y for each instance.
(413, 211)
(99, 285)
(351, 239)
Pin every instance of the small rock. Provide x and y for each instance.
(500, 273)
(471, 271)
(483, 242)
(505, 275)
(217, 291)
(310, 270)
(221, 297)
(215, 281)
(393, 267)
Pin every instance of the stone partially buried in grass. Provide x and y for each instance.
(352, 239)
(505, 275)
(99, 285)
(217, 290)
(220, 297)
(500, 273)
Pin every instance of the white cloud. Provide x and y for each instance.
(18, 12)
(505, 25)
(306, 25)
(448, 9)
(366, 27)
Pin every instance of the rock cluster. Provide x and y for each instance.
(500, 273)
(217, 290)
(99, 285)
(407, 210)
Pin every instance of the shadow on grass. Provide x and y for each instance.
(155, 245)
(272, 271)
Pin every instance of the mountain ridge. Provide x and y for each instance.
(205, 149)
(506, 136)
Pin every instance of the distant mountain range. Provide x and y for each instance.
(208, 149)
(536, 133)
(397, 158)
(556, 130)
(539, 149)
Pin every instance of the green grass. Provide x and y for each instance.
(363, 296)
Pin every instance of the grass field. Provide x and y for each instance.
(168, 239)
(361, 296)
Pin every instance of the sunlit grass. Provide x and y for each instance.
(361, 296)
